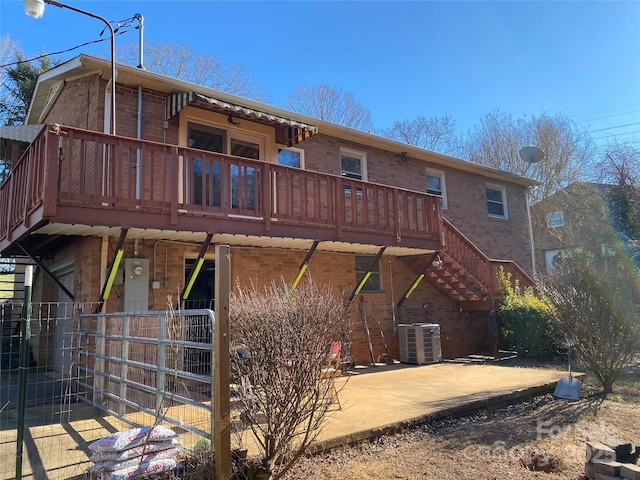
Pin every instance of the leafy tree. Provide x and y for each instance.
(436, 133)
(286, 337)
(526, 320)
(597, 306)
(178, 60)
(331, 105)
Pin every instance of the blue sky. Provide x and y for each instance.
(400, 59)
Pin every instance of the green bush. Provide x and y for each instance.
(526, 320)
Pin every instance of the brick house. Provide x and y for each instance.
(126, 220)
(575, 217)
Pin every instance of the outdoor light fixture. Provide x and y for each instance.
(35, 9)
(437, 263)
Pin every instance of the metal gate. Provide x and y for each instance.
(149, 367)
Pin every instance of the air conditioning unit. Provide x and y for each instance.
(420, 343)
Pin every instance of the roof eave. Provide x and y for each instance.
(172, 85)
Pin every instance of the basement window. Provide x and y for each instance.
(374, 282)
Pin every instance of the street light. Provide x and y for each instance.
(35, 9)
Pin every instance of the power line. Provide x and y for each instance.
(609, 116)
(616, 126)
(616, 135)
(605, 110)
(61, 51)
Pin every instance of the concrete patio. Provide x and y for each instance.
(375, 401)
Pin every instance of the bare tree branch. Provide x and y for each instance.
(436, 133)
(178, 60)
(331, 105)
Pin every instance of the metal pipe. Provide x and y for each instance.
(140, 19)
(23, 365)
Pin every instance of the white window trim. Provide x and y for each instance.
(443, 184)
(503, 191)
(355, 154)
(299, 151)
(551, 223)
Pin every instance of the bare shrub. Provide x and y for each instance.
(597, 307)
(286, 336)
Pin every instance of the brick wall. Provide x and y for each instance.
(80, 104)
(467, 209)
(462, 333)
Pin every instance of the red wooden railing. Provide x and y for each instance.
(476, 263)
(514, 271)
(80, 168)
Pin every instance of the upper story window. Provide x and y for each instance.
(205, 137)
(555, 220)
(374, 281)
(496, 201)
(291, 157)
(436, 185)
(353, 165)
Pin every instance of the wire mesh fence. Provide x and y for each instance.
(150, 367)
(90, 375)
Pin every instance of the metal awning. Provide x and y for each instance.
(21, 133)
(288, 131)
(14, 139)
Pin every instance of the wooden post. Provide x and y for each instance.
(221, 416)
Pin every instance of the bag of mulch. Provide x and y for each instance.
(143, 449)
(147, 468)
(120, 441)
(111, 465)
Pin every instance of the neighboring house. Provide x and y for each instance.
(575, 217)
(278, 187)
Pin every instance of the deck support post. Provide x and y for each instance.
(303, 267)
(47, 272)
(221, 415)
(113, 270)
(417, 281)
(196, 269)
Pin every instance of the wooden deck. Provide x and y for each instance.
(75, 178)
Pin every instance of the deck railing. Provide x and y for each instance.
(476, 263)
(73, 167)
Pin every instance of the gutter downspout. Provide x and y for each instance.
(531, 243)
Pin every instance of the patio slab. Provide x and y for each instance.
(389, 400)
(383, 400)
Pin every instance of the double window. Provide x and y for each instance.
(205, 180)
(496, 201)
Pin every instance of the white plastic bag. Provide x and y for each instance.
(117, 442)
(123, 455)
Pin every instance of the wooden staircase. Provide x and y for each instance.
(464, 273)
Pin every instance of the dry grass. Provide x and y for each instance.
(543, 438)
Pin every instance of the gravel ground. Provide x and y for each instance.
(543, 438)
